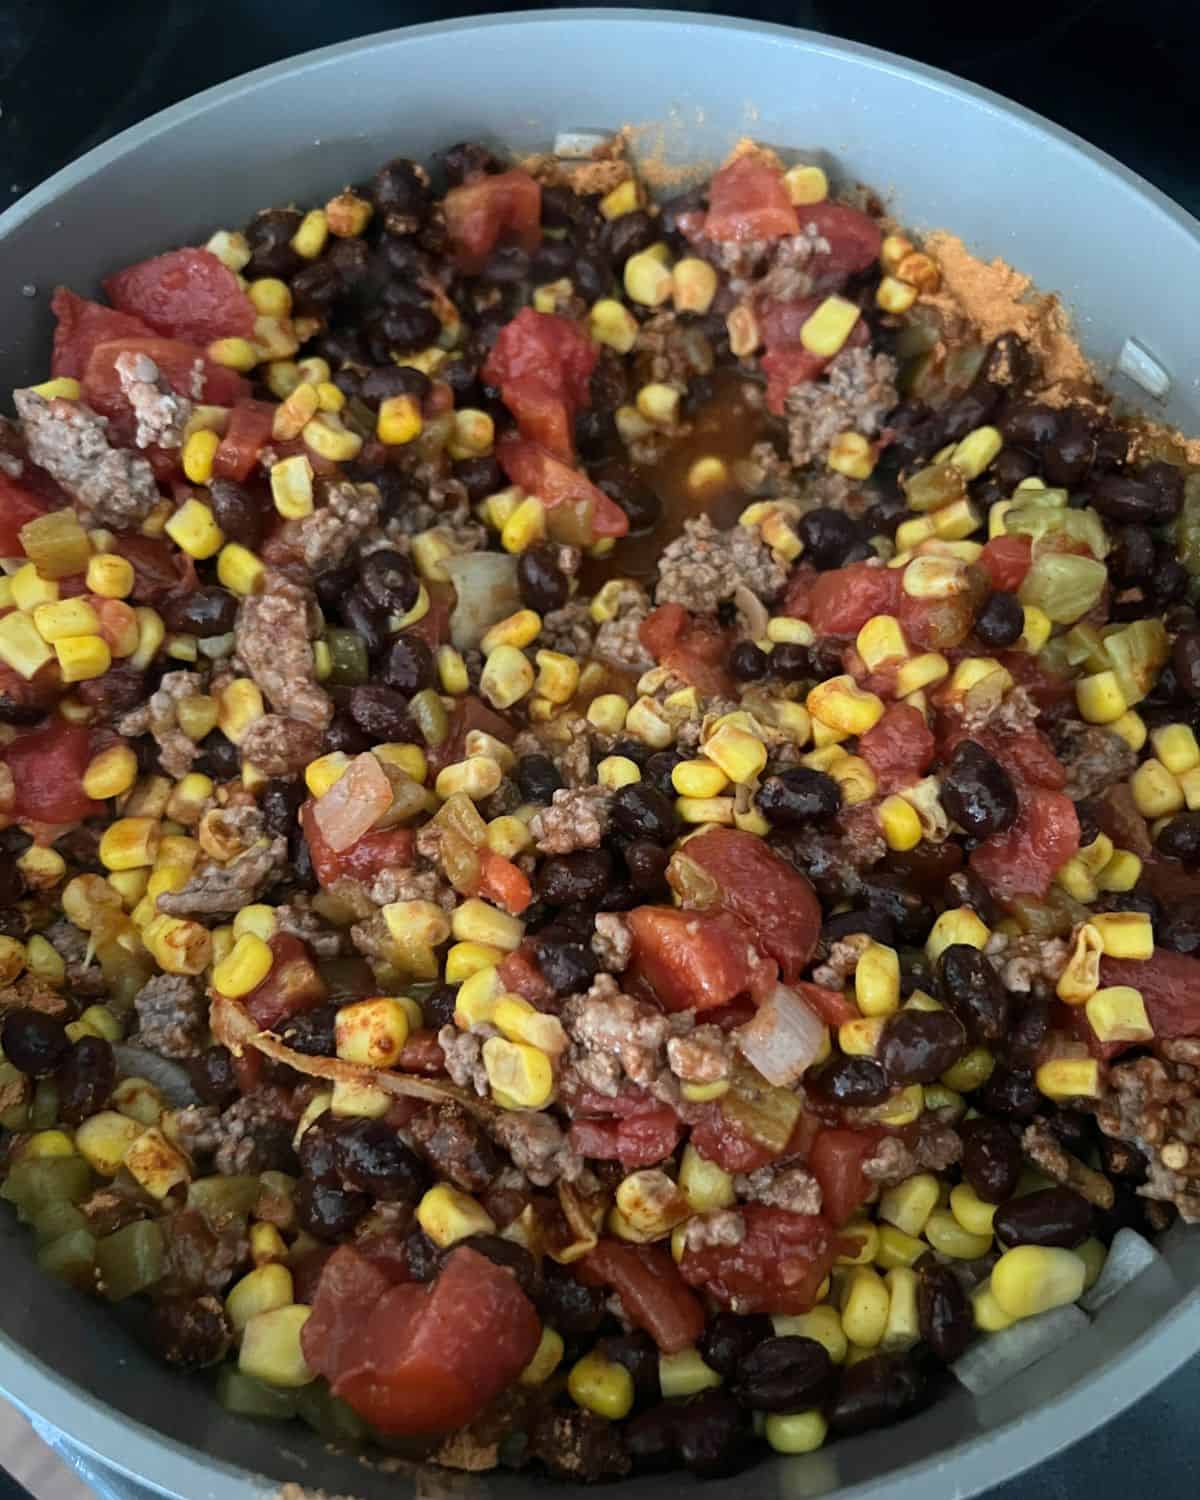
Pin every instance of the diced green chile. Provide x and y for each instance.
(250, 1398)
(71, 1258)
(131, 1260)
(31, 1185)
(348, 664)
(220, 1198)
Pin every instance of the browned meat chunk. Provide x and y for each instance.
(1094, 758)
(272, 640)
(110, 486)
(159, 716)
(704, 567)
(1154, 1103)
(278, 746)
(455, 1147)
(856, 395)
(172, 1011)
(222, 890)
(162, 414)
(576, 819)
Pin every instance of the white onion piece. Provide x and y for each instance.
(1128, 1256)
(578, 145)
(486, 587)
(170, 1078)
(784, 1038)
(996, 1358)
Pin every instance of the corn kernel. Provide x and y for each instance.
(659, 404)
(865, 1308)
(1118, 1014)
(1069, 1078)
(448, 1215)
(698, 778)
(899, 824)
(271, 1348)
(971, 1211)
(422, 922)
(64, 388)
(506, 678)
(109, 575)
(616, 771)
(958, 925)
(82, 657)
(881, 640)
(472, 435)
(908, 1205)
(476, 778)
(347, 215)
(828, 327)
(645, 722)
(474, 921)
(894, 296)
(694, 285)
(111, 773)
(903, 1325)
(1174, 744)
(248, 964)
(309, 238)
(1130, 726)
(601, 1386)
(239, 569)
(292, 485)
(198, 453)
(1156, 792)
(266, 1287)
(103, 1139)
(852, 454)
(971, 1071)
(623, 199)
(1081, 974)
(1099, 698)
(948, 1237)
(611, 323)
(546, 1359)
(896, 1248)
(1034, 1278)
(647, 278)
(743, 331)
(1121, 873)
(234, 354)
(839, 703)
(239, 706)
(1125, 934)
(976, 451)
(21, 646)
(372, 1032)
(155, 1164)
(741, 756)
(877, 980)
(705, 809)
(29, 588)
(326, 435)
(129, 843)
(520, 1075)
(525, 527)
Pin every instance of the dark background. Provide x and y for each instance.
(1121, 74)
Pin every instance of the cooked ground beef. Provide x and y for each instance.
(703, 1055)
(455, 1147)
(937, 1147)
(325, 538)
(279, 746)
(215, 890)
(617, 642)
(612, 941)
(856, 393)
(159, 716)
(721, 1226)
(172, 1012)
(570, 629)
(1094, 759)
(162, 414)
(538, 1146)
(109, 486)
(253, 1135)
(297, 920)
(1027, 963)
(1047, 1154)
(1154, 1103)
(84, 975)
(704, 567)
(463, 1052)
(790, 1188)
(613, 1037)
(272, 642)
(574, 820)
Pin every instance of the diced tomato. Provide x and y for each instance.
(503, 883)
(408, 1359)
(248, 433)
(787, 363)
(748, 200)
(854, 240)
(831, 1005)
(1116, 813)
(717, 1138)
(185, 294)
(1024, 860)
(469, 713)
(841, 602)
(653, 1294)
(81, 326)
(542, 364)
(636, 1141)
(786, 367)
(797, 595)
(775, 901)
(899, 749)
(177, 363)
(519, 974)
(1006, 560)
(777, 1268)
(159, 569)
(294, 983)
(479, 213)
(696, 959)
(537, 470)
(692, 646)
(374, 852)
(835, 1159)
(47, 767)
(18, 504)
(939, 624)
(1170, 986)
(1028, 756)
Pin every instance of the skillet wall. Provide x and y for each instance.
(1011, 185)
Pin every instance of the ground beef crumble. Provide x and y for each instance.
(576, 819)
(1154, 1103)
(856, 394)
(216, 890)
(790, 1188)
(704, 567)
(162, 414)
(1094, 759)
(272, 643)
(159, 716)
(172, 1012)
(613, 1037)
(612, 941)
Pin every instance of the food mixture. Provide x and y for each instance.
(600, 815)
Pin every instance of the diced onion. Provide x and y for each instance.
(1064, 585)
(784, 1038)
(997, 1357)
(1128, 1256)
(486, 587)
(578, 145)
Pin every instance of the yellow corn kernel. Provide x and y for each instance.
(291, 416)
(271, 297)
(506, 678)
(877, 980)
(474, 921)
(29, 588)
(330, 397)
(231, 248)
(948, 1237)
(1081, 974)
(1121, 873)
(651, 1204)
(41, 868)
(359, 1100)
(740, 755)
(271, 1348)
(623, 199)
(839, 703)
(12, 953)
(372, 1032)
(1076, 879)
(920, 672)
(645, 722)
(611, 323)
(971, 1071)
(47, 1143)
(475, 778)
(239, 570)
(933, 577)
(477, 998)
(956, 521)
(971, 1211)
(1099, 698)
(104, 1138)
(988, 1315)
(616, 771)
(685, 1374)
(863, 1236)
(903, 1323)
(1096, 855)
(881, 640)
(1130, 726)
(292, 485)
(111, 773)
(1174, 744)
(21, 646)
(138, 1099)
(309, 238)
(546, 1359)
(248, 964)
(694, 285)
(800, 1431)
(258, 919)
(860, 1037)
(327, 435)
(520, 1075)
(865, 1307)
(239, 706)
(63, 388)
(829, 326)
(958, 925)
(1069, 1078)
(894, 296)
(896, 1248)
(899, 823)
(1034, 1278)
(822, 1323)
(698, 778)
(1093, 1253)
(742, 328)
(705, 809)
(601, 1386)
(261, 1290)
(82, 657)
(521, 1022)
(647, 279)
(520, 629)
(465, 959)
(472, 435)
(1118, 1014)
(155, 1164)
(325, 772)
(508, 835)
(526, 526)
(852, 454)
(785, 631)
(806, 184)
(659, 404)
(908, 1205)
(129, 843)
(109, 575)
(198, 453)
(1125, 934)
(976, 451)
(44, 961)
(448, 1215)
(235, 354)
(1156, 792)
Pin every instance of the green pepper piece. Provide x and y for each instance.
(131, 1260)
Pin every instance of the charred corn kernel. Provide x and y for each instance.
(21, 646)
(47, 1143)
(472, 435)
(971, 1211)
(326, 771)
(919, 270)
(1099, 698)
(839, 703)
(1081, 973)
(1175, 745)
(611, 323)
(650, 1203)
(1130, 726)
(235, 354)
(865, 1307)
(948, 1237)
(248, 964)
(239, 569)
(109, 575)
(292, 485)
(862, 1238)
(354, 1099)
(852, 454)
(82, 657)
(958, 925)
(899, 824)
(104, 1138)
(647, 279)
(880, 640)
(29, 588)
(546, 1359)
(1034, 1278)
(1118, 1014)
(198, 453)
(828, 327)
(478, 777)
(698, 778)
(111, 773)
(372, 1032)
(896, 1248)
(261, 1290)
(41, 868)
(616, 771)
(526, 526)
(271, 1348)
(520, 629)
(860, 1036)
(894, 296)
(465, 959)
(129, 843)
(347, 215)
(659, 404)
(521, 1076)
(739, 755)
(138, 1099)
(506, 678)
(1156, 792)
(155, 1164)
(1122, 872)
(601, 1386)
(971, 1071)
(309, 238)
(448, 1215)
(327, 436)
(908, 1205)
(44, 961)
(705, 809)
(1093, 1253)
(474, 921)
(558, 676)
(877, 980)
(1069, 1078)
(1125, 934)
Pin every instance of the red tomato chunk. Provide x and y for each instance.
(653, 1294)
(777, 1268)
(480, 214)
(1170, 986)
(693, 647)
(17, 505)
(392, 847)
(82, 325)
(1024, 859)
(899, 749)
(748, 200)
(841, 602)
(835, 1159)
(696, 960)
(47, 767)
(637, 1140)
(555, 483)
(292, 986)
(185, 294)
(248, 433)
(542, 365)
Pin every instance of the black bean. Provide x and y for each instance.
(714, 1434)
(1180, 928)
(205, 612)
(1052, 1216)
(538, 778)
(641, 812)
(507, 266)
(991, 1159)
(576, 879)
(389, 581)
(566, 1304)
(849, 1081)
(512, 1257)
(797, 795)
(969, 985)
(212, 1076)
(469, 159)
(438, 1006)
(404, 329)
(1124, 1160)
(380, 712)
(279, 804)
(1169, 581)
(371, 1157)
(311, 1031)
(874, 1392)
(1179, 838)
(408, 666)
(917, 1046)
(329, 1212)
(191, 1332)
(542, 582)
(1132, 558)
(567, 967)
(791, 662)
(238, 513)
(943, 1312)
(316, 287)
(728, 1338)
(1132, 496)
(480, 476)
(978, 792)
(646, 862)
(652, 1439)
(269, 235)
(1011, 466)
(1067, 456)
(351, 259)
(748, 662)
(1072, 1129)
(827, 535)
(1010, 1092)
(1001, 620)
(592, 277)
(784, 1374)
(643, 509)
(629, 235)
(401, 194)
(12, 712)
(1030, 425)
(1027, 1033)
(317, 1151)
(637, 1353)
(657, 769)
(219, 756)
(33, 1041)
(1185, 658)
(85, 1078)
